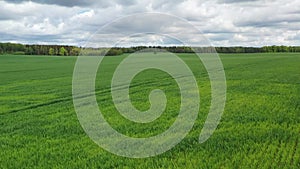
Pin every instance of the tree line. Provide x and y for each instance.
(20, 49)
(64, 50)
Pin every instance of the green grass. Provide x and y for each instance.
(260, 127)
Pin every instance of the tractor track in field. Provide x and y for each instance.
(106, 90)
(294, 151)
(98, 92)
(263, 152)
(296, 143)
(34, 106)
(284, 158)
(22, 71)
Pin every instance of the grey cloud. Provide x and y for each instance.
(295, 37)
(7, 16)
(265, 22)
(136, 23)
(68, 3)
(8, 37)
(220, 37)
(257, 23)
(236, 1)
(165, 3)
(30, 38)
(219, 31)
(79, 3)
(126, 2)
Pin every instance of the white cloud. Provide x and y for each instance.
(224, 22)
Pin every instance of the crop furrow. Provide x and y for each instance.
(294, 151)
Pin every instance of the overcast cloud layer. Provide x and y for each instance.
(223, 22)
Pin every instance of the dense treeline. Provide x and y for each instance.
(265, 49)
(63, 50)
(183, 49)
(20, 49)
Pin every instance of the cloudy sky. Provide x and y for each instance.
(223, 22)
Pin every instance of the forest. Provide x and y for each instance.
(65, 50)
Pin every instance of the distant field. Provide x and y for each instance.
(260, 127)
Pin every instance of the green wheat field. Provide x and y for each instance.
(260, 126)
